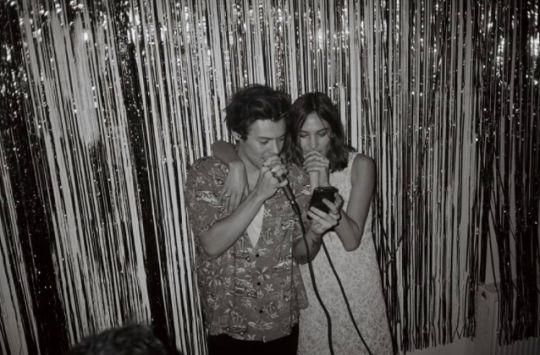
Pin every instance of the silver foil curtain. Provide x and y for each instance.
(104, 104)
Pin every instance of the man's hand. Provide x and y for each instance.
(271, 177)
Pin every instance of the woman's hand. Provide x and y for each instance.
(321, 222)
(236, 186)
(316, 162)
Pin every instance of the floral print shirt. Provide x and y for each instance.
(248, 292)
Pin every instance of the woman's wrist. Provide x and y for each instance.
(316, 238)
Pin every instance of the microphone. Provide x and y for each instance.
(288, 192)
(314, 179)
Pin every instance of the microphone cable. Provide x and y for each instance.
(296, 210)
(345, 298)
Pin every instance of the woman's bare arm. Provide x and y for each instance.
(225, 152)
(363, 179)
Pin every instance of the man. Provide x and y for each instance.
(251, 288)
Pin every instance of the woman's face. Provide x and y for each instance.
(315, 135)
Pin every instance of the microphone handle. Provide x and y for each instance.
(286, 189)
(314, 179)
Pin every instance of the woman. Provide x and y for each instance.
(319, 145)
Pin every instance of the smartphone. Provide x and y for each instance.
(327, 192)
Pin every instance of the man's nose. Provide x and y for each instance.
(274, 148)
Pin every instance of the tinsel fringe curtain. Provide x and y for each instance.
(104, 104)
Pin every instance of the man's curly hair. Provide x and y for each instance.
(255, 102)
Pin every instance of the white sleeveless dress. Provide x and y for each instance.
(359, 274)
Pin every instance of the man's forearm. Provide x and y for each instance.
(226, 231)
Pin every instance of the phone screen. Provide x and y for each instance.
(327, 192)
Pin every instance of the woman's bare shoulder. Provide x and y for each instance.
(362, 164)
(363, 169)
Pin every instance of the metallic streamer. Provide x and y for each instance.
(15, 333)
(510, 141)
(86, 181)
(107, 103)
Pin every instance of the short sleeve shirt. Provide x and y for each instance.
(248, 292)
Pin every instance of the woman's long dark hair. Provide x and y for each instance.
(320, 103)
